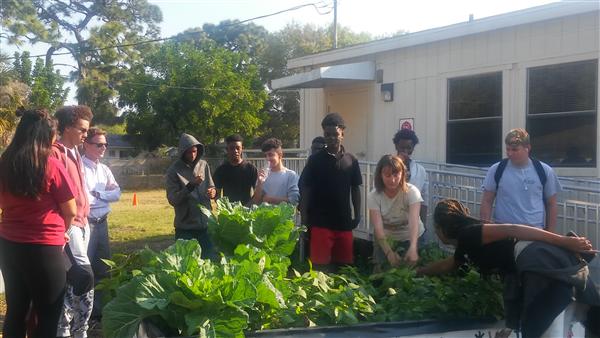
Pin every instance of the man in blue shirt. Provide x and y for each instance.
(520, 196)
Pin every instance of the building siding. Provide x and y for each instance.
(420, 73)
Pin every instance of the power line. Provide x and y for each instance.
(316, 5)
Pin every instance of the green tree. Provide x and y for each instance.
(202, 89)
(294, 41)
(47, 88)
(13, 94)
(22, 86)
(271, 52)
(103, 37)
(22, 67)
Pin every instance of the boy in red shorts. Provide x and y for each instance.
(330, 179)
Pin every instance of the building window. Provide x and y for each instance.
(474, 129)
(562, 113)
(111, 153)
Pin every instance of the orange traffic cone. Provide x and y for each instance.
(135, 201)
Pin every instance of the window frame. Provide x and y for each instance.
(531, 117)
(500, 73)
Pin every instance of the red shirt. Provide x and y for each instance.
(38, 221)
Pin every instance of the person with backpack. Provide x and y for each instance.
(524, 188)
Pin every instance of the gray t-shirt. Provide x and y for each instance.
(519, 194)
(394, 211)
(283, 184)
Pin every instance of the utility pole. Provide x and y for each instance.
(334, 24)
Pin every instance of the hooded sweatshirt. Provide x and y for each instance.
(186, 201)
(74, 166)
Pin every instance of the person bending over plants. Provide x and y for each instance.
(394, 207)
(543, 272)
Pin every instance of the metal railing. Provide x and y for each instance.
(578, 202)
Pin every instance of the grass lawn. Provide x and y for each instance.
(149, 223)
(133, 227)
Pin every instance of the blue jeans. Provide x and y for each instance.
(203, 238)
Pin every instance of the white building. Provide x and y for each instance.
(464, 86)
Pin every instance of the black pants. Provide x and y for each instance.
(32, 274)
(203, 238)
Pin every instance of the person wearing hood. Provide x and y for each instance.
(189, 185)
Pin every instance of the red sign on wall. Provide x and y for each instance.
(407, 124)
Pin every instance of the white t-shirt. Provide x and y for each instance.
(418, 178)
(394, 211)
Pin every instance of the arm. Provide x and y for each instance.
(495, 232)
(293, 194)
(486, 205)
(441, 267)
(304, 203)
(211, 192)
(425, 195)
(112, 191)
(68, 211)
(377, 221)
(274, 199)
(217, 182)
(423, 214)
(176, 191)
(356, 203)
(551, 213)
(412, 255)
(259, 195)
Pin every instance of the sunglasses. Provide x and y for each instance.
(99, 145)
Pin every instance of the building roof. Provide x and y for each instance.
(525, 16)
(331, 75)
(118, 141)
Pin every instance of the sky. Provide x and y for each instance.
(377, 17)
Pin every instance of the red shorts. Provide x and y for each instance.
(331, 246)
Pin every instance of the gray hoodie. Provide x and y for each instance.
(187, 212)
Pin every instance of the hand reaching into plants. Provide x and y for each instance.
(411, 257)
(394, 258)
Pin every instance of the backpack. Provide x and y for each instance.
(539, 169)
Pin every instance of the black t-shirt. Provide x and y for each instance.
(495, 257)
(237, 181)
(330, 179)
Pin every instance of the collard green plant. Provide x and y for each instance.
(267, 227)
(251, 287)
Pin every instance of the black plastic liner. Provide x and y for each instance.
(388, 329)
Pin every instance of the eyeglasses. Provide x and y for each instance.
(405, 148)
(99, 145)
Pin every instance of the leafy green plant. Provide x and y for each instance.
(250, 288)
(405, 296)
(268, 227)
(183, 294)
